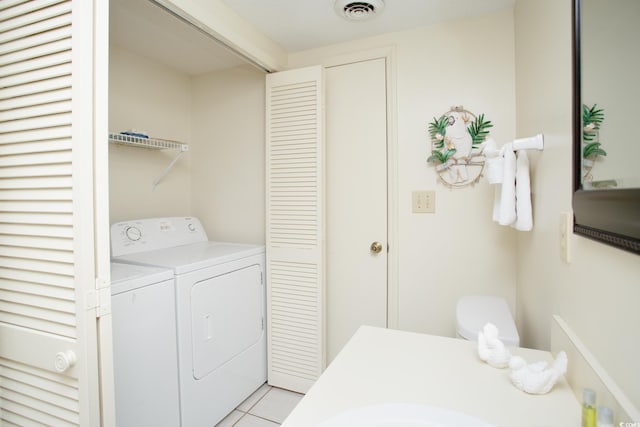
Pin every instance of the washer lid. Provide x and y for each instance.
(125, 277)
(473, 312)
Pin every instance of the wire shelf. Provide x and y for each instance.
(148, 143)
(151, 144)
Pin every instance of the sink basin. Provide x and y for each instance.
(402, 415)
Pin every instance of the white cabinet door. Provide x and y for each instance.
(48, 327)
(356, 188)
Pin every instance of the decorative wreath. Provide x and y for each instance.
(454, 155)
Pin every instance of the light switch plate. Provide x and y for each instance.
(423, 201)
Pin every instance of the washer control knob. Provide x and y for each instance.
(133, 233)
(191, 226)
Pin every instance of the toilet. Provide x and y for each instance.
(473, 312)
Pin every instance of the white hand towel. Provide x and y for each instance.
(496, 202)
(512, 199)
(490, 148)
(507, 214)
(524, 220)
(494, 163)
(495, 169)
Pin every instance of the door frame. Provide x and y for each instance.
(91, 200)
(389, 55)
(101, 237)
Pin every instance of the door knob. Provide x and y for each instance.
(65, 360)
(376, 247)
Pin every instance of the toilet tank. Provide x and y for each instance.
(473, 312)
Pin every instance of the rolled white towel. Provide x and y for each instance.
(491, 349)
(537, 378)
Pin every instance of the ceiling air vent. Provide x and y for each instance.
(358, 10)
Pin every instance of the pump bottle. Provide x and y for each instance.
(588, 408)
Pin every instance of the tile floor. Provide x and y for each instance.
(267, 407)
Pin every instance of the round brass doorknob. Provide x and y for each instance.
(376, 247)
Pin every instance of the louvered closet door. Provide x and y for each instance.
(295, 239)
(46, 216)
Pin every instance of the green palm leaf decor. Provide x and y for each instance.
(438, 130)
(593, 149)
(479, 130)
(441, 156)
(592, 118)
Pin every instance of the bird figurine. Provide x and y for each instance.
(537, 378)
(491, 349)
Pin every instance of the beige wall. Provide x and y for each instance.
(220, 114)
(147, 96)
(598, 293)
(457, 250)
(228, 184)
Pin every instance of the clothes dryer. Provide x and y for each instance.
(220, 310)
(145, 353)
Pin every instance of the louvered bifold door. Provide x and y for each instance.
(295, 229)
(40, 332)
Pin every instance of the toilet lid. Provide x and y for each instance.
(473, 312)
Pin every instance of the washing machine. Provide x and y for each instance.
(145, 353)
(220, 310)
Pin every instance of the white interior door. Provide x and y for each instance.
(48, 251)
(356, 188)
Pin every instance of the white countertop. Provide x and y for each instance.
(389, 366)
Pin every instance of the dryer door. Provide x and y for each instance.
(226, 317)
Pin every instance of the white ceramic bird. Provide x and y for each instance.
(537, 378)
(491, 349)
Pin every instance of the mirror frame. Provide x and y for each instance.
(608, 216)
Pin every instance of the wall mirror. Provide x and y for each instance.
(606, 134)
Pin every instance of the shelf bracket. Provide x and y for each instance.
(166, 170)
